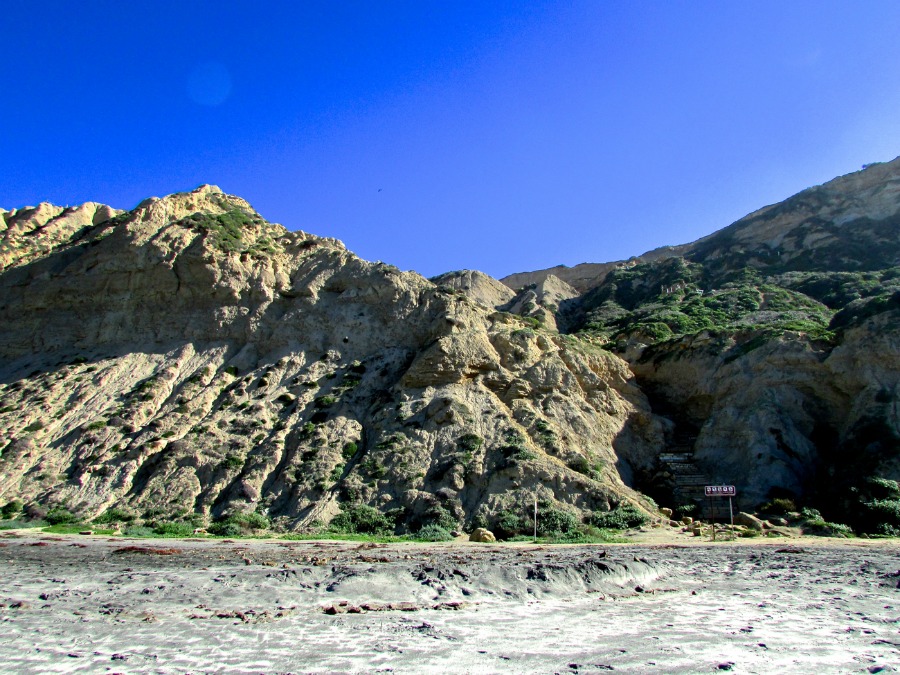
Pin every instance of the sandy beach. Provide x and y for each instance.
(109, 605)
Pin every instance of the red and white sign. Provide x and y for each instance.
(720, 491)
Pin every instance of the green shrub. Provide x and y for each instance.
(226, 529)
(11, 509)
(349, 450)
(656, 331)
(470, 442)
(825, 529)
(684, 511)
(887, 530)
(138, 531)
(232, 462)
(881, 514)
(94, 426)
(114, 515)
(60, 516)
(440, 516)
(553, 522)
(325, 401)
(623, 517)
(239, 524)
(21, 523)
(171, 529)
(517, 452)
(883, 488)
(509, 524)
(433, 532)
(250, 520)
(37, 425)
(362, 519)
(336, 473)
(779, 506)
(810, 514)
(374, 468)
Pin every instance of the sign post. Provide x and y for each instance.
(722, 491)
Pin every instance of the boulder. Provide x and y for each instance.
(481, 534)
(749, 521)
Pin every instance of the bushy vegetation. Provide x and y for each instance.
(555, 522)
(227, 231)
(662, 300)
(22, 523)
(362, 519)
(591, 468)
(60, 516)
(688, 510)
(11, 509)
(173, 529)
(779, 506)
(239, 524)
(623, 517)
(114, 515)
(813, 523)
(433, 532)
(878, 507)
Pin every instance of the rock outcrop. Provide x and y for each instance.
(772, 346)
(188, 356)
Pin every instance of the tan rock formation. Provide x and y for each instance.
(188, 356)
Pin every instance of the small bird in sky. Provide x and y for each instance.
(379, 189)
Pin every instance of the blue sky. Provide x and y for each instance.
(501, 136)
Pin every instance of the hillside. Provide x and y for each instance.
(771, 345)
(189, 363)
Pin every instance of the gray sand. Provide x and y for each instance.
(79, 604)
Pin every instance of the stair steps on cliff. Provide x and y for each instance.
(689, 481)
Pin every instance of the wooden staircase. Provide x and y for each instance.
(677, 476)
(687, 483)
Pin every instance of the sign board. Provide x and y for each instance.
(720, 491)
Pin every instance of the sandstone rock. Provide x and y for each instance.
(166, 361)
(748, 520)
(189, 354)
(480, 534)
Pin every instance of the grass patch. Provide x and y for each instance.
(586, 536)
(21, 524)
(75, 528)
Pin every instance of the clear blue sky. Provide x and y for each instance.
(500, 136)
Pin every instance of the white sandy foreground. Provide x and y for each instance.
(92, 604)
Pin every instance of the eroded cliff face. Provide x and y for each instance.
(772, 346)
(788, 415)
(188, 356)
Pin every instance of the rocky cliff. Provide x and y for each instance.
(190, 358)
(772, 346)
